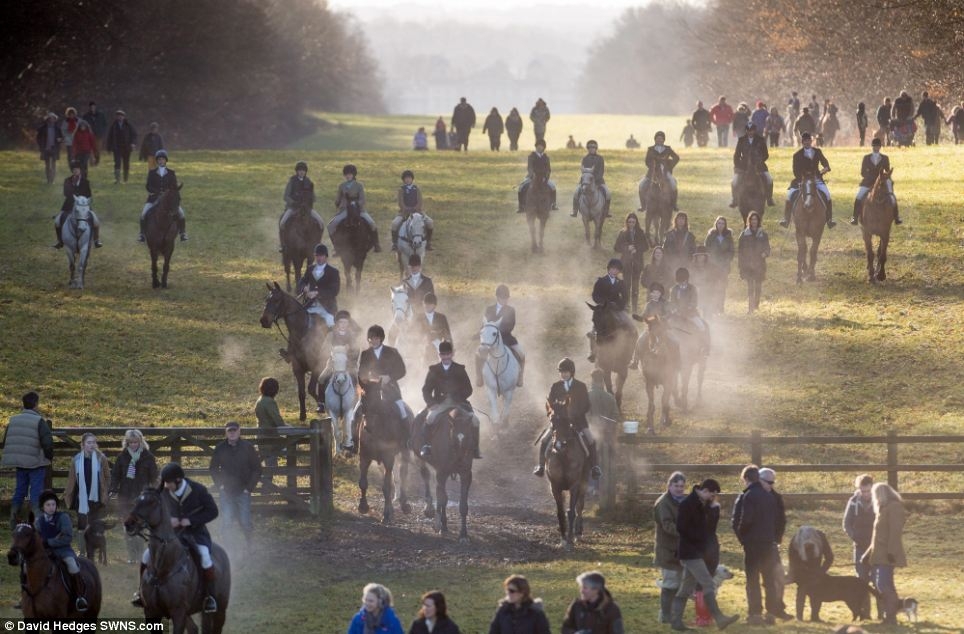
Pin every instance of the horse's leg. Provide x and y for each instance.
(155, 282)
(358, 272)
(700, 374)
(882, 254)
(599, 227)
(620, 382)
(542, 232)
(300, 380)
(557, 494)
(465, 483)
(167, 265)
(608, 381)
(585, 226)
(669, 387)
(571, 516)
(869, 251)
(580, 504)
(507, 397)
(531, 220)
(801, 255)
(286, 261)
(492, 391)
(406, 459)
(364, 462)
(684, 388)
(441, 502)
(426, 482)
(651, 407)
(812, 270)
(388, 489)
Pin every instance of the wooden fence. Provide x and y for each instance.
(302, 480)
(627, 448)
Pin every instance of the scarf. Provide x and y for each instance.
(94, 493)
(372, 620)
(132, 468)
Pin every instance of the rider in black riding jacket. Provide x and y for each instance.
(569, 401)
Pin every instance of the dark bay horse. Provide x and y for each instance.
(45, 586)
(172, 586)
(751, 193)
(809, 215)
(452, 455)
(659, 363)
(567, 468)
(305, 351)
(658, 205)
(298, 239)
(877, 219)
(160, 232)
(538, 202)
(353, 241)
(614, 347)
(381, 437)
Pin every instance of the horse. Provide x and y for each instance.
(160, 231)
(809, 215)
(76, 234)
(451, 456)
(500, 372)
(353, 241)
(591, 205)
(411, 240)
(45, 585)
(172, 586)
(829, 127)
(659, 363)
(614, 347)
(658, 204)
(876, 219)
(751, 193)
(305, 351)
(380, 439)
(538, 202)
(567, 467)
(693, 352)
(298, 239)
(340, 394)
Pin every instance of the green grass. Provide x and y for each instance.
(834, 357)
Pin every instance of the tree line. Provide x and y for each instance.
(213, 73)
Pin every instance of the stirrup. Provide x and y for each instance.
(425, 451)
(539, 471)
(784, 223)
(140, 238)
(210, 605)
(81, 604)
(98, 244)
(853, 221)
(184, 237)
(137, 601)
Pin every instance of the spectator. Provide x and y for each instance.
(679, 243)
(814, 107)
(753, 250)
(632, 244)
(862, 122)
(433, 616)
(236, 470)
(494, 127)
(699, 514)
(903, 107)
(930, 112)
(269, 418)
(85, 147)
(376, 613)
(701, 121)
(858, 523)
(883, 121)
(441, 136)
(886, 550)
(688, 134)
(665, 513)
(740, 118)
(768, 478)
(571, 143)
(463, 120)
(719, 246)
(87, 485)
(121, 140)
(956, 122)
(658, 270)
(632, 143)
(518, 612)
(133, 471)
(49, 138)
(28, 447)
(513, 129)
(453, 142)
(759, 116)
(539, 115)
(420, 140)
(97, 121)
(67, 127)
(773, 127)
(150, 145)
(754, 521)
(594, 612)
(721, 115)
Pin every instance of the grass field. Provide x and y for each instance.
(832, 357)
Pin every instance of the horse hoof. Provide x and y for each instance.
(428, 513)
(811, 278)
(406, 508)
(363, 507)
(567, 546)
(386, 520)
(650, 431)
(880, 277)
(464, 539)
(155, 284)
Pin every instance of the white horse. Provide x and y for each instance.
(500, 372)
(340, 394)
(411, 240)
(76, 234)
(591, 204)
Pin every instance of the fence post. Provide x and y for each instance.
(607, 457)
(322, 477)
(892, 468)
(756, 448)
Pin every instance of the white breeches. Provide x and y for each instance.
(149, 206)
(399, 219)
(821, 187)
(315, 309)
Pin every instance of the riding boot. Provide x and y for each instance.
(475, 442)
(552, 199)
(394, 240)
(606, 207)
(543, 450)
(479, 363)
(592, 346)
(897, 220)
(182, 228)
(377, 247)
(787, 208)
(722, 621)
(428, 238)
(666, 604)
(522, 205)
(14, 520)
(674, 198)
(854, 219)
(81, 543)
(137, 601)
(80, 590)
(575, 203)
(95, 234)
(769, 188)
(60, 240)
(596, 470)
(210, 604)
(676, 615)
(140, 238)
(732, 196)
(830, 223)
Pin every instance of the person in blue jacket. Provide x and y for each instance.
(376, 613)
(56, 530)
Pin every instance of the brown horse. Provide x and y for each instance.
(452, 455)
(751, 195)
(172, 586)
(45, 586)
(809, 216)
(353, 241)
(876, 219)
(305, 351)
(538, 202)
(160, 232)
(658, 205)
(567, 467)
(381, 437)
(613, 348)
(298, 239)
(659, 363)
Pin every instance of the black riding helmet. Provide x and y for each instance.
(376, 331)
(301, 165)
(615, 263)
(682, 274)
(591, 143)
(349, 169)
(48, 495)
(567, 365)
(656, 286)
(502, 292)
(160, 154)
(408, 174)
(172, 472)
(321, 249)
(659, 134)
(541, 143)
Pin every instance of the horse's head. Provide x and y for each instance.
(147, 512)
(587, 180)
(808, 188)
(170, 199)
(415, 230)
(603, 319)
(273, 306)
(339, 358)
(26, 541)
(401, 305)
(490, 335)
(81, 207)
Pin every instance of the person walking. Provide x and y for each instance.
(269, 418)
(539, 116)
(632, 244)
(28, 447)
(433, 617)
(121, 141)
(87, 486)
(134, 470)
(721, 115)
(773, 127)
(862, 122)
(153, 141)
(886, 550)
(463, 120)
(752, 253)
(494, 127)
(595, 611)
(513, 129)
(50, 137)
(665, 551)
(719, 246)
(858, 523)
(85, 147)
(377, 613)
(68, 127)
(518, 612)
(96, 120)
(236, 469)
(441, 135)
(754, 523)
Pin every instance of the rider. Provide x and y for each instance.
(345, 333)
(320, 285)
(610, 291)
(873, 164)
(351, 190)
(447, 387)
(684, 302)
(808, 160)
(191, 507)
(751, 153)
(410, 200)
(299, 197)
(568, 400)
(75, 185)
(659, 154)
(431, 325)
(656, 307)
(160, 179)
(417, 285)
(537, 165)
(382, 365)
(56, 530)
(504, 314)
(596, 163)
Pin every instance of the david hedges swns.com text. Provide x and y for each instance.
(106, 625)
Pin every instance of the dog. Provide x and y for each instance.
(909, 607)
(823, 588)
(810, 558)
(95, 540)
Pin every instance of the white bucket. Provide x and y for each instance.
(630, 426)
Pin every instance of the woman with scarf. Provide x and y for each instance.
(86, 489)
(134, 470)
(376, 613)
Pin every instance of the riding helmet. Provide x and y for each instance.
(591, 143)
(172, 472)
(750, 126)
(567, 365)
(615, 263)
(75, 165)
(160, 154)
(430, 298)
(48, 495)
(682, 274)
(415, 260)
(342, 314)
(659, 134)
(541, 143)
(502, 292)
(876, 141)
(806, 136)
(656, 286)
(321, 249)
(408, 174)
(349, 169)
(445, 347)
(376, 331)
(301, 165)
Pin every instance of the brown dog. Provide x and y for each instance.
(95, 538)
(823, 588)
